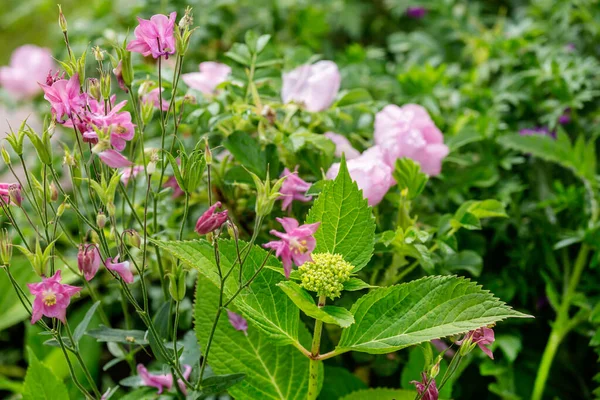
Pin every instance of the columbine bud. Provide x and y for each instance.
(16, 140)
(94, 88)
(183, 34)
(326, 274)
(5, 247)
(133, 238)
(53, 192)
(435, 368)
(211, 220)
(177, 284)
(101, 219)
(14, 193)
(265, 194)
(105, 85)
(61, 209)
(111, 209)
(5, 156)
(98, 53)
(62, 21)
(207, 153)
(232, 230)
(187, 20)
(68, 159)
(88, 260)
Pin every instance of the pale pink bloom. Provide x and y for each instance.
(293, 188)
(121, 268)
(154, 36)
(426, 393)
(64, 97)
(211, 75)
(238, 322)
(11, 193)
(172, 183)
(342, 146)
(410, 132)
(314, 86)
(114, 159)
(29, 65)
(153, 97)
(131, 172)
(162, 381)
(51, 298)
(210, 220)
(296, 244)
(88, 260)
(482, 337)
(372, 175)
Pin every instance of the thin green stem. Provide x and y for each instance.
(313, 373)
(82, 363)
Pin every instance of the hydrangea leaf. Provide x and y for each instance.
(328, 314)
(40, 383)
(262, 303)
(395, 317)
(347, 223)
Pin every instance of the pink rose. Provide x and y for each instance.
(314, 86)
(342, 146)
(29, 65)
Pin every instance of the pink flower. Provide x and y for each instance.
(153, 98)
(408, 131)
(293, 188)
(162, 381)
(131, 172)
(114, 159)
(314, 86)
(210, 220)
(154, 36)
(210, 76)
(238, 322)
(88, 260)
(64, 97)
(342, 146)
(117, 124)
(118, 72)
(482, 337)
(121, 268)
(11, 193)
(416, 12)
(296, 244)
(29, 65)
(172, 183)
(426, 393)
(51, 298)
(372, 176)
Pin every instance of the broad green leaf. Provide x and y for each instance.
(347, 223)
(382, 394)
(409, 177)
(262, 303)
(40, 383)
(339, 382)
(105, 334)
(219, 383)
(328, 314)
(82, 327)
(272, 372)
(354, 284)
(395, 317)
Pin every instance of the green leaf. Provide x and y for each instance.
(409, 177)
(219, 383)
(316, 188)
(382, 394)
(262, 42)
(338, 383)
(40, 383)
(354, 96)
(467, 260)
(82, 327)
(240, 53)
(395, 317)
(247, 152)
(354, 284)
(470, 213)
(267, 307)
(161, 323)
(347, 223)
(328, 314)
(105, 334)
(300, 139)
(272, 372)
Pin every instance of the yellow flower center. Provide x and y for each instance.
(49, 298)
(298, 246)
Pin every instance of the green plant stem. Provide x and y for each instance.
(313, 372)
(81, 362)
(71, 370)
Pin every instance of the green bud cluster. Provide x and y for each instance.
(326, 274)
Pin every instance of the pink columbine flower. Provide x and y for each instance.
(172, 183)
(314, 86)
(162, 381)
(296, 244)
(210, 220)
(131, 172)
(293, 188)
(426, 393)
(342, 146)
(114, 159)
(11, 193)
(372, 176)
(64, 97)
(410, 132)
(154, 36)
(153, 98)
(482, 337)
(51, 298)
(211, 75)
(88, 260)
(121, 268)
(238, 322)
(29, 65)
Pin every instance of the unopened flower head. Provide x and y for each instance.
(5, 247)
(326, 274)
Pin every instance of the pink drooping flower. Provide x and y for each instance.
(64, 97)
(172, 183)
(372, 175)
(482, 337)
(51, 298)
(410, 132)
(211, 220)
(426, 393)
(155, 36)
(88, 260)
(131, 172)
(29, 65)
(153, 98)
(114, 159)
(211, 75)
(314, 86)
(296, 244)
(342, 146)
(121, 268)
(238, 322)
(293, 188)
(11, 193)
(162, 381)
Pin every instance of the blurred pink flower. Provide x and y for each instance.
(64, 97)
(210, 76)
(238, 322)
(162, 381)
(410, 132)
(121, 268)
(154, 98)
(342, 145)
(426, 393)
(313, 86)
(293, 188)
(131, 172)
(11, 193)
(482, 337)
(51, 298)
(372, 175)
(172, 183)
(29, 65)
(296, 244)
(155, 36)
(210, 220)
(114, 159)
(416, 12)
(88, 260)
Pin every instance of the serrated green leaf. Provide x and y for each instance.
(40, 383)
(347, 223)
(105, 334)
(392, 318)
(328, 314)
(409, 177)
(219, 383)
(381, 394)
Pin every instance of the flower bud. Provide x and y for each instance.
(111, 209)
(232, 230)
(5, 156)
(5, 247)
(101, 220)
(118, 71)
(326, 274)
(61, 209)
(53, 192)
(16, 140)
(94, 88)
(177, 284)
(68, 159)
(62, 21)
(98, 53)
(14, 193)
(88, 260)
(435, 368)
(133, 238)
(211, 220)
(207, 153)
(105, 85)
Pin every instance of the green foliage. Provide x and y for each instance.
(104, 334)
(409, 177)
(381, 394)
(40, 383)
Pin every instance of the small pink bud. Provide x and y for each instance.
(211, 220)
